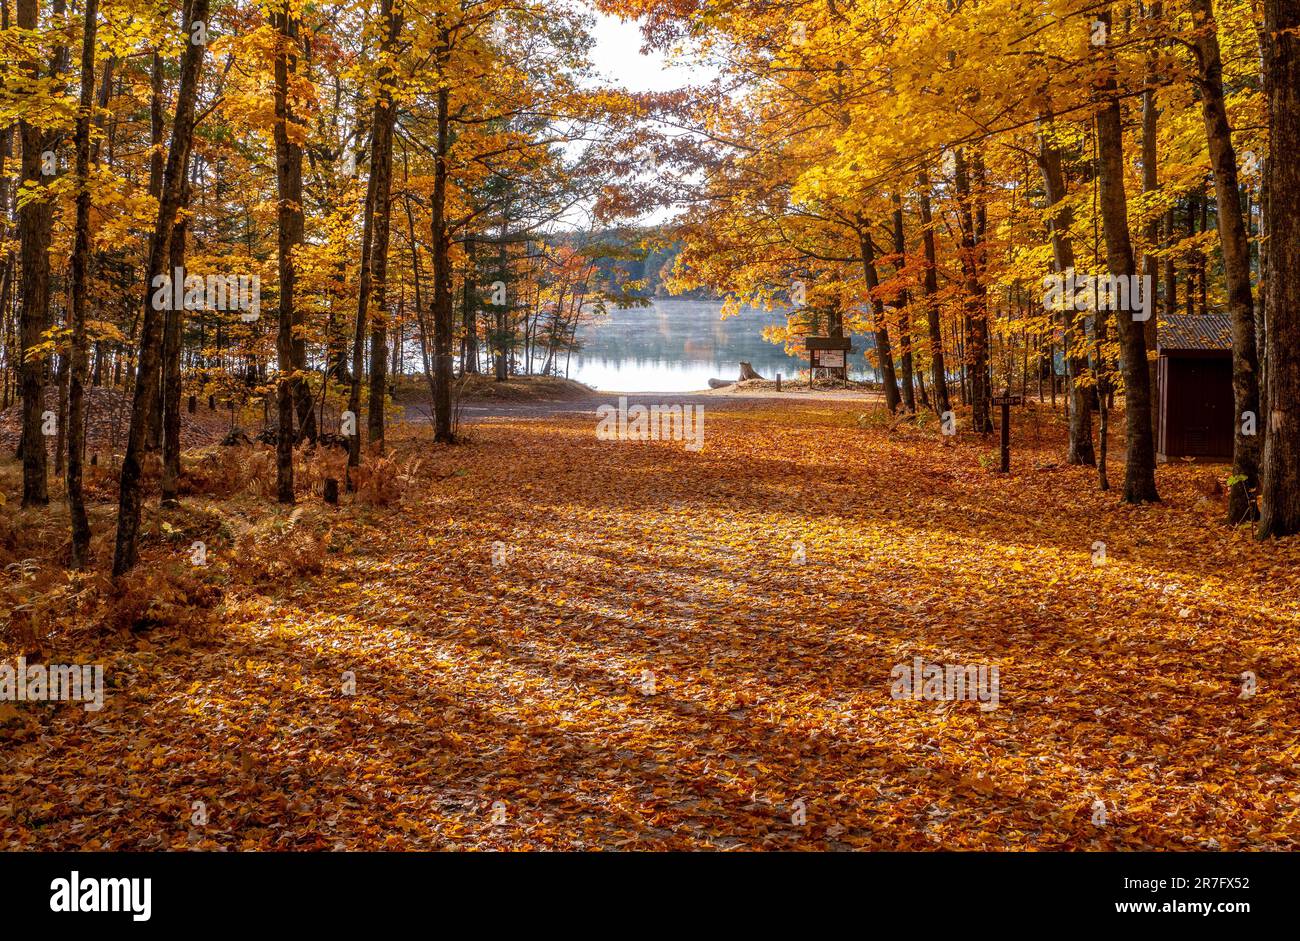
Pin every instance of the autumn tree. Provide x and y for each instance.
(148, 361)
(80, 261)
(1280, 493)
(35, 219)
(1140, 466)
(1235, 244)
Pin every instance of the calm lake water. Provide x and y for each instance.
(679, 345)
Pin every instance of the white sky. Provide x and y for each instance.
(618, 61)
(617, 57)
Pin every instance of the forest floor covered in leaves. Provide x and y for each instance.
(674, 650)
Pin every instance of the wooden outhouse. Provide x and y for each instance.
(1194, 388)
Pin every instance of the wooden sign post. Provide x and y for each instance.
(828, 353)
(1006, 400)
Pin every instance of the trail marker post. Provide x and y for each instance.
(1006, 400)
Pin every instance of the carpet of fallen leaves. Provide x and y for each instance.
(650, 667)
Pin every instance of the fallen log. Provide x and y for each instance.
(746, 372)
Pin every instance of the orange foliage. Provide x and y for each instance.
(648, 665)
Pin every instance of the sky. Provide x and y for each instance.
(618, 60)
(617, 56)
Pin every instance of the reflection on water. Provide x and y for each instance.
(679, 345)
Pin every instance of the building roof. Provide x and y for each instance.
(1196, 332)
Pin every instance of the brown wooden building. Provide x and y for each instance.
(1194, 379)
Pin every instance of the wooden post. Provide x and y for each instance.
(778, 382)
(1006, 400)
(1006, 436)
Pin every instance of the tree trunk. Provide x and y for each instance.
(1235, 244)
(1140, 467)
(469, 360)
(77, 301)
(145, 396)
(884, 354)
(1280, 504)
(442, 312)
(930, 285)
(1151, 233)
(502, 309)
(157, 158)
(359, 330)
(381, 172)
(336, 343)
(904, 328)
(291, 386)
(415, 274)
(35, 220)
(60, 431)
(156, 166)
(976, 320)
(1079, 451)
(173, 325)
(302, 396)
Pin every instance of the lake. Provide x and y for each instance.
(679, 345)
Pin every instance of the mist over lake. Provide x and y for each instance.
(679, 345)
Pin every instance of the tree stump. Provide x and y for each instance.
(747, 372)
(331, 491)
